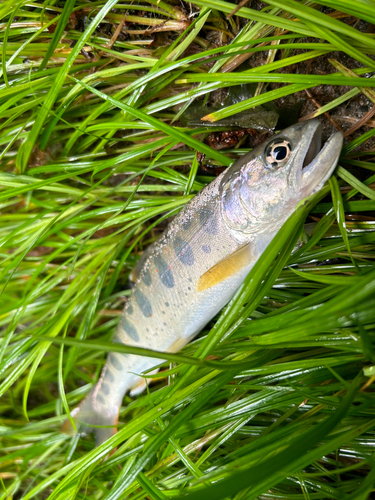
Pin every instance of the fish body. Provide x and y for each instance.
(201, 259)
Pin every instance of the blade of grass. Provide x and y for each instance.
(340, 214)
(262, 476)
(167, 129)
(63, 19)
(27, 146)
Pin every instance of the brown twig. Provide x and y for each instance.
(116, 33)
(352, 119)
(237, 8)
(114, 37)
(310, 115)
(361, 122)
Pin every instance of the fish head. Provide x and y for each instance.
(264, 187)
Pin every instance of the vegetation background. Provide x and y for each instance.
(274, 400)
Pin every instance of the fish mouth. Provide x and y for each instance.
(315, 164)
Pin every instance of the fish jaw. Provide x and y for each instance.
(316, 173)
(313, 166)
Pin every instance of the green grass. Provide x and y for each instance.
(274, 400)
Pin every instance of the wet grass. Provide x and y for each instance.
(274, 399)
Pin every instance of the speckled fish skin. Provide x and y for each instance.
(182, 284)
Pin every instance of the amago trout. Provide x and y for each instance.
(200, 260)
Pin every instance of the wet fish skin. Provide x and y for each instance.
(198, 263)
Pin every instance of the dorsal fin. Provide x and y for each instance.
(226, 268)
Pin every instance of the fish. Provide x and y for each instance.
(194, 268)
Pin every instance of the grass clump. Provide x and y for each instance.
(274, 399)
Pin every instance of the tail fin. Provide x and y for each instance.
(98, 412)
(92, 412)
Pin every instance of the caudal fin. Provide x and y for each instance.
(92, 413)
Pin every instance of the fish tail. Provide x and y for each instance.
(99, 411)
(97, 414)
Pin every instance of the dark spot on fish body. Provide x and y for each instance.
(146, 278)
(117, 339)
(143, 303)
(115, 362)
(167, 304)
(183, 251)
(208, 220)
(186, 224)
(109, 377)
(129, 328)
(206, 248)
(165, 273)
(105, 388)
(100, 398)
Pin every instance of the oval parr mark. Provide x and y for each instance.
(165, 273)
(206, 248)
(108, 376)
(208, 220)
(183, 251)
(105, 389)
(115, 362)
(129, 328)
(186, 223)
(143, 303)
(100, 398)
(146, 278)
(117, 338)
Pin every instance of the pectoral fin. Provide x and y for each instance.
(226, 268)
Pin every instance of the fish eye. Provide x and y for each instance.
(278, 152)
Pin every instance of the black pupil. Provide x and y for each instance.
(280, 153)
